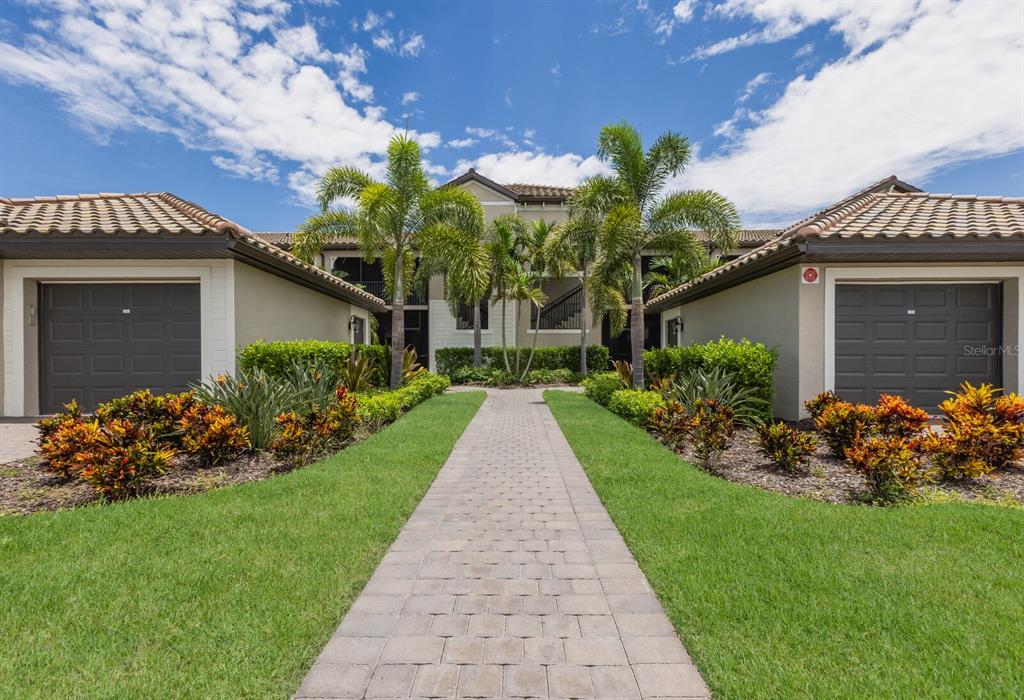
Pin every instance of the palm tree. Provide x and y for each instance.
(501, 241)
(461, 256)
(525, 285)
(532, 249)
(573, 245)
(636, 215)
(669, 271)
(389, 219)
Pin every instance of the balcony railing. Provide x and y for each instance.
(376, 288)
(562, 313)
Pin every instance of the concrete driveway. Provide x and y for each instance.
(17, 441)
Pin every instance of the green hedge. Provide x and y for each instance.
(553, 357)
(276, 357)
(635, 405)
(377, 410)
(752, 364)
(600, 387)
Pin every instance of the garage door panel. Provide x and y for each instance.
(92, 350)
(920, 355)
(890, 330)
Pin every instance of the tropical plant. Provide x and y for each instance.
(712, 424)
(842, 424)
(790, 449)
(533, 252)
(636, 215)
(501, 242)
(635, 405)
(255, 398)
(600, 386)
(819, 402)
(391, 218)
(525, 286)
(625, 372)
(671, 424)
(356, 374)
(573, 245)
(314, 380)
(669, 271)
(893, 467)
(719, 386)
(411, 367)
(896, 418)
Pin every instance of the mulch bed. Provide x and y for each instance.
(832, 480)
(27, 487)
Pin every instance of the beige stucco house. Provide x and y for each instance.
(890, 290)
(103, 294)
(429, 321)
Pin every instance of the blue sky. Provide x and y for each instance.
(239, 105)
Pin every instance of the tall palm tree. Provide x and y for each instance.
(461, 257)
(389, 219)
(573, 245)
(636, 214)
(533, 253)
(501, 241)
(669, 271)
(525, 285)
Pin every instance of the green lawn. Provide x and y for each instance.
(228, 594)
(777, 597)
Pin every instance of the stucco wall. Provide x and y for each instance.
(270, 308)
(19, 317)
(764, 310)
(779, 310)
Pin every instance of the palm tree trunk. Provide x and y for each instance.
(533, 348)
(477, 352)
(398, 324)
(583, 327)
(519, 317)
(504, 344)
(636, 325)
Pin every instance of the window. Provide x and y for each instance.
(464, 319)
(672, 328)
(358, 330)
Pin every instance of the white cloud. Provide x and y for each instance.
(861, 24)
(753, 84)
(567, 169)
(556, 71)
(206, 74)
(384, 40)
(462, 143)
(409, 97)
(413, 46)
(508, 97)
(372, 21)
(499, 136)
(945, 89)
(804, 51)
(683, 10)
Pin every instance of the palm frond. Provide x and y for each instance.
(453, 206)
(702, 210)
(666, 158)
(341, 183)
(620, 145)
(316, 232)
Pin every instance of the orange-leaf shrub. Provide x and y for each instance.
(671, 424)
(841, 424)
(711, 428)
(897, 418)
(211, 434)
(317, 430)
(788, 447)
(983, 432)
(820, 402)
(892, 466)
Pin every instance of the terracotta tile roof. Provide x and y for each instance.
(545, 191)
(143, 214)
(283, 239)
(886, 215)
(748, 237)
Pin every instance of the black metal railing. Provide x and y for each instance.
(376, 288)
(464, 317)
(561, 313)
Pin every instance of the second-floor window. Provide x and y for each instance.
(464, 319)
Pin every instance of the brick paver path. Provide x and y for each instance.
(509, 580)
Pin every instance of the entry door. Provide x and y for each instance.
(916, 340)
(101, 341)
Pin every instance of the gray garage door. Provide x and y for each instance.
(916, 340)
(100, 341)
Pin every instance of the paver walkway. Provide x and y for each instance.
(509, 580)
(17, 440)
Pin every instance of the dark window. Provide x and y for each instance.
(464, 319)
(672, 327)
(358, 330)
